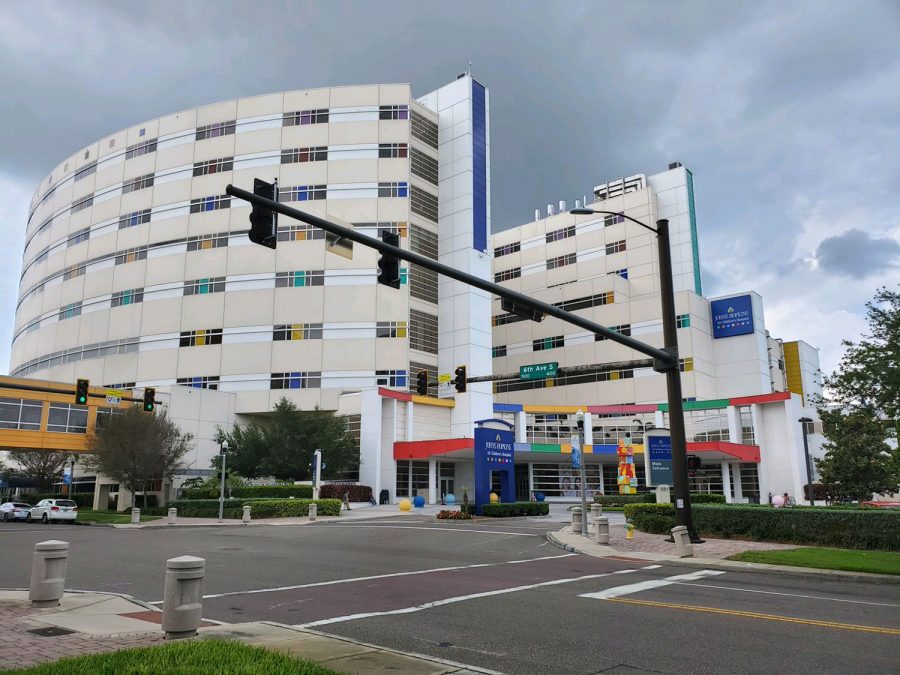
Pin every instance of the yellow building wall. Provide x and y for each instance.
(792, 369)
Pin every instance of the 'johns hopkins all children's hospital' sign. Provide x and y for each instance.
(732, 316)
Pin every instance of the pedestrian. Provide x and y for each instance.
(787, 499)
(347, 499)
(372, 501)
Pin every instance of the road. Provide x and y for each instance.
(495, 595)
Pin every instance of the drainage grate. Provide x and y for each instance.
(51, 631)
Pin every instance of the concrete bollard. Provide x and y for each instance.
(596, 511)
(135, 516)
(683, 546)
(48, 573)
(313, 508)
(601, 531)
(173, 513)
(183, 596)
(576, 520)
(246, 517)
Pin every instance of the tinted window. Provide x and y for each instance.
(65, 502)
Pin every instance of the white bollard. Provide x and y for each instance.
(135, 516)
(576, 520)
(596, 511)
(313, 508)
(246, 517)
(683, 546)
(601, 531)
(183, 596)
(173, 513)
(48, 573)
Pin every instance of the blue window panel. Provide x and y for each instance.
(402, 190)
(209, 204)
(623, 273)
(479, 168)
(302, 194)
(295, 381)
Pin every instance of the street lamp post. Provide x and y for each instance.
(579, 420)
(809, 481)
(673, 371)
(222, 450)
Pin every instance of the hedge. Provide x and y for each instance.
(650, 498)
(501, 510)
(259, 508)
(707, 498)
(84, 500)
(839, 528)
(358, 493)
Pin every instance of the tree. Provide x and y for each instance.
(44, 467)
(282, 444)
(135, 448)
(858, 462)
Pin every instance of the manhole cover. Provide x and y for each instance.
(51, 631)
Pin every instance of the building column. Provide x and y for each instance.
(410, 418)
(738, 486)
(659, 419)
(432, 481)
(530, 480)
(588, 429)
(520, 422)
(726, 482)
(734, 427)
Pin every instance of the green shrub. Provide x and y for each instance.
(706, 498)
(259, 508)
(501, 510)
(839, 528)
(276, 491)
(358, 493)
(622, 500)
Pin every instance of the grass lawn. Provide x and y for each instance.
(879, 562)
(186, 657)
(89, 516)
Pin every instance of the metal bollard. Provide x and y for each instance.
(183, 596)
(601, 531)
(246, 517)
(48, 573)
(683, 546)
(312, 511)
(173, 513)
(576, 520)
(135, 516)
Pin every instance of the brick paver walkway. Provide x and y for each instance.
(20, 649)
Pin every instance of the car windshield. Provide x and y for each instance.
(65, 502)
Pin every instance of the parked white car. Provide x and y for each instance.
(14, 511)
(50, 510)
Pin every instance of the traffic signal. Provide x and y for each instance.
(149, 398)
(81, 392)
(422, 383)
(460, 379)
(263, 220)
(389, 265)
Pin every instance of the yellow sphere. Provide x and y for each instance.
(494, 498)
(405, 505)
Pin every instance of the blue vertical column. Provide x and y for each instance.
(479, 168)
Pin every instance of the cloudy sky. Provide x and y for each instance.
(788, 113)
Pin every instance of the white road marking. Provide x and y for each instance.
(440, 529)
(651, 567)
(792, 595)
(449, 601)
(378, 576)
(617, 591)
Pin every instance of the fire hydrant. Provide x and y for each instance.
(629, 529)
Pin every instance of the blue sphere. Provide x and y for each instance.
(539, 496)
(419, 501)
(449, 499)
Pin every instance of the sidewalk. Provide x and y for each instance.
(91, 623)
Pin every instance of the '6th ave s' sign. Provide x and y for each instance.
(538, 371)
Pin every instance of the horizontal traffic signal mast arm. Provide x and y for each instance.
(54, 390)
(663, 359)
(572, 370)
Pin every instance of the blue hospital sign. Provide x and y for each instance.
(732, 316)
(658, 457)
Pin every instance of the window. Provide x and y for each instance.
(73, 271)
(316, 154)
(543, 344)
(210, 203)
(396, 189)
(390, 378)
(42, 256)
(393, 112)
(424, 166)
(389, 150)
(200, 338)
(302, 193)
(82, 204)
(86, 171)
(215, 130)
(424, 203)
(138, 183)
(597, 300)
(563, 233)
(142, 132)
(507, 249)
(207, 241)
(390, 329)
(105, 414)
(423, 331)
(134, 218)
(613, 219)
(624, 329)
(80, 236)
(299, 232)
(69, 311)
(745, 417)
(615, 247)
(142, 148)
(67, 418)
(207, 382)
(213, 166)
(316, 116)
(423, 283)
(622, 272)
(400, 228)
(431, 369)
(299, 279)
(424, 130)
(298, 331)
(561, 261)
(131, 255)
(131, 297)
(18, 413)
(498, 351)
(686, 365)
(47, 223)
(683, 321)
(506, 275)
(204, 286)
(422, 241)
(296, 380)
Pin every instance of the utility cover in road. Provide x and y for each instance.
(538, 371)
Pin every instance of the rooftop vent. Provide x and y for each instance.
(674, 165)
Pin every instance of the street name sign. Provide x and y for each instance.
(538, 371)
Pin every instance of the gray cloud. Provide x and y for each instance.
(858, 254)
